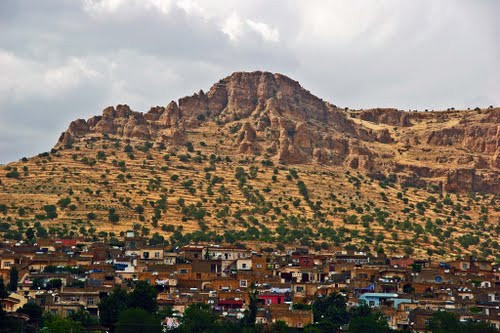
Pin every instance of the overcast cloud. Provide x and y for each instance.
(67, 59)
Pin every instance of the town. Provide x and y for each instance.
(71, 284)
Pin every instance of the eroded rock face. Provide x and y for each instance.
(384, 136)
(274, 116)
(247, 140)
(386, 116)
(482, 137)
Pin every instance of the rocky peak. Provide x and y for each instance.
(271, 115)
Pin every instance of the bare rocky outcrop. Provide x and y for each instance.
(247, 140)
(387, 116)
(384, 136)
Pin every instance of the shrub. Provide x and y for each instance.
(12, 174)
(51, 211)
(64, 202)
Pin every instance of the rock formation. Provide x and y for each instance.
(272, 115)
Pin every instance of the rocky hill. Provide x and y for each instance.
(259, 158)
(272, 116)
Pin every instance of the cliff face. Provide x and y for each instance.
(272, 116)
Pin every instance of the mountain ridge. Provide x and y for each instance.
(279, 119)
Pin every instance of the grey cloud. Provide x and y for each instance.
(425, 54)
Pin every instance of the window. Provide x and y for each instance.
(243, 265)
(299, 289)
(259, 265)
(90, 301)
(157, 254)
(7, 264)
(183, 271)
(243, 283)
(465, 265)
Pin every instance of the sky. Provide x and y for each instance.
(66, 59)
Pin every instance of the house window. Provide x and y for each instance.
(157, 254)
(259, 265)
(90, 301)
(7, 264)
(243, 265)
(299, 289)
(372, 303)
(146, 255)
(464, 265)
(243, 283)
(183, 271)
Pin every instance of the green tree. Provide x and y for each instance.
(4, 293)
(14, 279)
(251, 313)
(35, 314)
(137, 321)
(447, 322)
(84, 317)
(280, 327)
(143, 296)
(332, 309)
(198, 318)
(112, 216)
(64, 202)
(56, 324)
(443, 321)
(363, 319)
(111, 306)
(54, 284)
(51, 211)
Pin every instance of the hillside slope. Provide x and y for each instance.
(259, 159)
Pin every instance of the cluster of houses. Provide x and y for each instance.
(64, 275)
